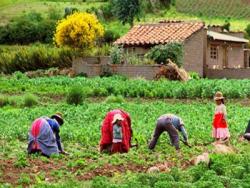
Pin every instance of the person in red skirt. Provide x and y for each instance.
(117, 134)
(220, 126)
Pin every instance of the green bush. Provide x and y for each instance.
(161, 53)
(194, 75)
(29, 28)
(4, 101)
(75, 96)
(110, 36)
(115, 99)
(116, 54)
(27, 58)
(30, 100)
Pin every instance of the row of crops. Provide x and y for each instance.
(92, 87)
(81, 133)
(215, 8)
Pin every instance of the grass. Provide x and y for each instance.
(18, 8)
(9, 10)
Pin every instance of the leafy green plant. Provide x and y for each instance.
(115, 99)
(75, 96)
(21, 161)
(24, 179)
(4, 100)
(116, 54)
(172, 51)
(30, 100)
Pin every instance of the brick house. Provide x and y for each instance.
(203, 49)
(192, 34)
(226, 50)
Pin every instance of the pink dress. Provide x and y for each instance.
(220, 127)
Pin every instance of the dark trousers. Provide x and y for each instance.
(246, 136)
(161, 126)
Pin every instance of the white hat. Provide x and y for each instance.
(117, 117)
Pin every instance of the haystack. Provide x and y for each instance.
(172, 72)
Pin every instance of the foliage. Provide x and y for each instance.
(194, 75)
(115, 99)
(69, 10)
(247, 30)
(226, 25)
(110, 36)
(81, 134)
(126, 10)
(118, 85)
(26, 58)
(30, 100)
(116, 53)
(79, 30)
(215, 8)
(75, 96)
(4, 100)
(161, 53)
(28, 28)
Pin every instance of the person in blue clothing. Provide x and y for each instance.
(44, 135)
(171, 124)
(55, 122)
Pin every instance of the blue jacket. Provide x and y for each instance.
(56, 129)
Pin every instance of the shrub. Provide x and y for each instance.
(161, 53)
(30, 100)
(28, 28)
(248, 30)
(110, 36)
(79, 30)
(194, 75)
(4, 100)
(116, 54)
(75, 96)
(115, 99)
(26, 58)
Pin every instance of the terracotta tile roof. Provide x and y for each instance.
(160, 33)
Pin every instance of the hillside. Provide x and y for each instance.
(212, 12)
(10, 8)
(215, 8)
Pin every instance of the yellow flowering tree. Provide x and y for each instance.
(79, 30)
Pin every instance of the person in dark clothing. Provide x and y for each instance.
(247, 132)
(171, 124)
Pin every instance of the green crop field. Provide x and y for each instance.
(86, 167)
(215, 8)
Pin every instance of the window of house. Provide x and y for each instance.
(213, 52)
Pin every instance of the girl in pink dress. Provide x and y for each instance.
(220, 127)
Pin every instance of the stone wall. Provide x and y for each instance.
(97, 66)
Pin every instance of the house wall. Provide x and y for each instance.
(195, 52)
(234, 55)
(96, 66)
(228, 73)
(136, 50)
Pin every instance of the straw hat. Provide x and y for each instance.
(218, 96)
(58, 117)
(117, 117)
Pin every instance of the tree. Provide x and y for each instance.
(79, 30)
(248, 30)
(126, 10)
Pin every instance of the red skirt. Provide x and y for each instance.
(117, 148)
(219, 121)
